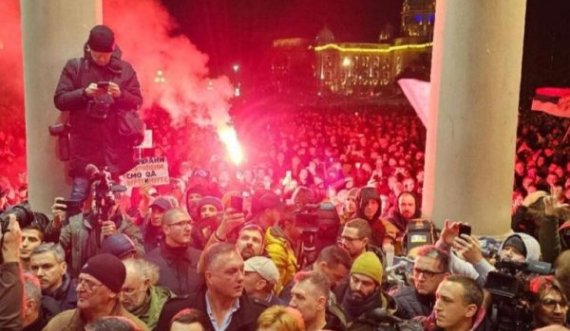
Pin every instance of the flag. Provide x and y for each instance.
(417, 92)
(552, 100)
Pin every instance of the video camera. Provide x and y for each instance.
(103, 191)
(24, 216)
(418, 233)
(312, 219)
(510, 291)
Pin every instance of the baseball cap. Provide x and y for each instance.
(264, 267)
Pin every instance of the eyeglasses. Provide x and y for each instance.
(551, 304)
(181, 224)
(88, 285)
(427, 273)
(346, 238)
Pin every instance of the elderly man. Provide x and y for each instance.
(33, 318)
(140, 295)
(176, 259)
(48, 264)
(261, 276)
(99, 284)
(223, 300)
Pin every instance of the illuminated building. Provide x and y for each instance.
(357, 69)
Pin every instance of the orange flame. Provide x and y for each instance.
(228, 136)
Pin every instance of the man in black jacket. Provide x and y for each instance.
(94, 89)
(223, 300)
(430, 269)
(176, 259)
(48, 264)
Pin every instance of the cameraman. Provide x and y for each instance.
(518, 247)
(93, 89)
(11, 286)
(82, 235)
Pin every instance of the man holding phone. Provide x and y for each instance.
(93, 89)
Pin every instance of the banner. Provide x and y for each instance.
(552, 100)
(151, 170)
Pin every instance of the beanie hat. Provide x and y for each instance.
(165, 202)
(119, 245)
(211, 201)
(516, 242)
(101, 39)
(107, 269)
(368, 264)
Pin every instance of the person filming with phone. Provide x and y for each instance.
(96, 90)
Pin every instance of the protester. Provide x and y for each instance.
(190, 319)
(11, 285)
(32, 237)
(33, 317)
(280, 318)
(260, 278)
(176, 259)
(310, 296)
(98, 290)
(48, 264)
(228, 307)
(140, 295)
(94, 89)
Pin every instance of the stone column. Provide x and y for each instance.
(475, 80)
(52, 32)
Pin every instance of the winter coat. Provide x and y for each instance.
(94, 139)
(243, 319)
(11, 294)
(150, 313)
(64, 298)
(71, 320)
(410, 304)
(281, 252)
(81, 237)
(178, 268)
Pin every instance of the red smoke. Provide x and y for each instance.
(12, 78)
(142, 29)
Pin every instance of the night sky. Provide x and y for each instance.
(241, 31)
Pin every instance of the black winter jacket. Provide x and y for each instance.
(95, 140)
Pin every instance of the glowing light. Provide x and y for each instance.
(346, 62)
(159, 78)
(235, 67)
(372, 50)
(237, 92)
(229, 137)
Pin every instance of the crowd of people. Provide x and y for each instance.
(321, 229)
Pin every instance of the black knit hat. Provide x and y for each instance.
(107, 269)
(101, 39)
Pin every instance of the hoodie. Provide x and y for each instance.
(378, 230)
(481, 269)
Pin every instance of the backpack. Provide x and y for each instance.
(130, 127)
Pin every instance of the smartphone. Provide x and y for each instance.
(102, 84)
(464, 229)
(69, 204)
(236, 203)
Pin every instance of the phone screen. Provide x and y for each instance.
(464, 229)
(236, 203)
